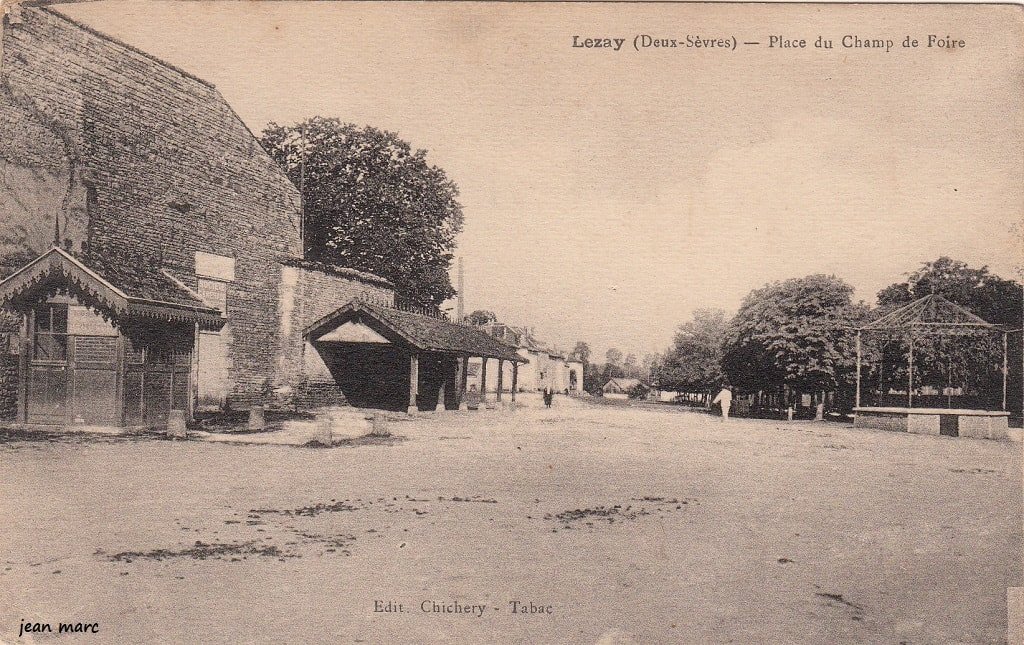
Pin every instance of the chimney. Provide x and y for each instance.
(460, 310)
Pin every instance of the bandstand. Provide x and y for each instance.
(922, 408)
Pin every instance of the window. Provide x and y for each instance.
(50, 333)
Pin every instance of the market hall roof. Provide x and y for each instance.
(419, 331)
(116, 291)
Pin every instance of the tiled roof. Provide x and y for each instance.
(623, 383)
(145, 282)
(139, 291)
(422, 332)
(522, 337)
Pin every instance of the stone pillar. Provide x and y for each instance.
(483, 380)
(1006, 369)
(910, 375)
(440, 395)
(24, 354)
(515, 381)
(414, 378)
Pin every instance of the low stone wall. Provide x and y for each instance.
(8, 385)
(318, 394)
(986, 427)
(977, 424)
(8, 366)
(888, 422)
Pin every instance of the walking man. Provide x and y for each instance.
(724, 398)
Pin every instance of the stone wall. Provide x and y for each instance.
(307, 295)
(160, 164)
(9, 334)
(38, 183)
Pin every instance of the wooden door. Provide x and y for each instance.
(93, 362)
(48, 376)
(47, 395)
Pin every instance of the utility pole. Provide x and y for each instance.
(460, 309)
(302, 188)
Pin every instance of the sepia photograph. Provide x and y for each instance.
(511, 322)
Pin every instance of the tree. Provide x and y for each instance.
(610, 371)
(638, 391)
(593, 377)
(613, 365)
(581, 352)
(630, 367)
(591, 374)
(481, 317)
(649, 367)
(996, 300)
(794, 333)
(613, 356)
(694, 362)
(372, 203)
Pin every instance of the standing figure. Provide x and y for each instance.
(548, 395)
(725, 399)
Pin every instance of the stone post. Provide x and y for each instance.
(380, 426)
(176, 424)
(414, 378)
(257, 421)
(515, 382)
(325, 428)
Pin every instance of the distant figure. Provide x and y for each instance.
(725, 399)
(548, 396)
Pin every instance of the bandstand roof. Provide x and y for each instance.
(931, 312)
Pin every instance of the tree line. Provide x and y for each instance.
(798, 336)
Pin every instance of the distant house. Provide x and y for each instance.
(618, 388)
(547, 367)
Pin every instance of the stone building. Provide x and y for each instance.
(168, 269)
(545, 366)
(619, 388)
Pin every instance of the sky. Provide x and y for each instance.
(607, 194)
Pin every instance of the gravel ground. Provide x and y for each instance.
(619, 525)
